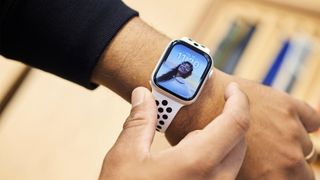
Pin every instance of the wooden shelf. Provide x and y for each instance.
(310, 6)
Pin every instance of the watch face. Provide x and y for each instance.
(182, 70)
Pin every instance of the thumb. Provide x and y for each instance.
(139, 128)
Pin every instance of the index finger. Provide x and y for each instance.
(220, 136)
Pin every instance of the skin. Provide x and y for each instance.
(278, 136)
(210, 153)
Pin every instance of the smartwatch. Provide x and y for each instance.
(179, 77)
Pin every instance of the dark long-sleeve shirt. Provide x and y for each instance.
(63, 37)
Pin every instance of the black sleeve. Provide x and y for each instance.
(63, 37)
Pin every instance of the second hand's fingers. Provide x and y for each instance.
(304, 140)
(219, 137)
(139, 128)
(310, 120)
(230, 166)
(309, 117)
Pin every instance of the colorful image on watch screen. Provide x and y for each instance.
(182, 71)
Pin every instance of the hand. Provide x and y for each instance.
(277, 140)
(278, 137)
(215, 152)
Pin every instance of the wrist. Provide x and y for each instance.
(128, 63)
(209, 105)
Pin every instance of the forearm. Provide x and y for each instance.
(129, 61)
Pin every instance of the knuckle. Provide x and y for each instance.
(294, 131)
(241, 120)
(136, 118)
(135, 121)
(293, 161)
(290, 110)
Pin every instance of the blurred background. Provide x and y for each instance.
(53, 129)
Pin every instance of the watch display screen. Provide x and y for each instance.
(182, 70)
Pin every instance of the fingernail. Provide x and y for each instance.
(137, 96)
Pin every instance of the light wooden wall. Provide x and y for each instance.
(54, 130)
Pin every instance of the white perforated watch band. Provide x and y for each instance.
(167, 110)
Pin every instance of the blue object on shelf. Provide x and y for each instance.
(278, 61)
